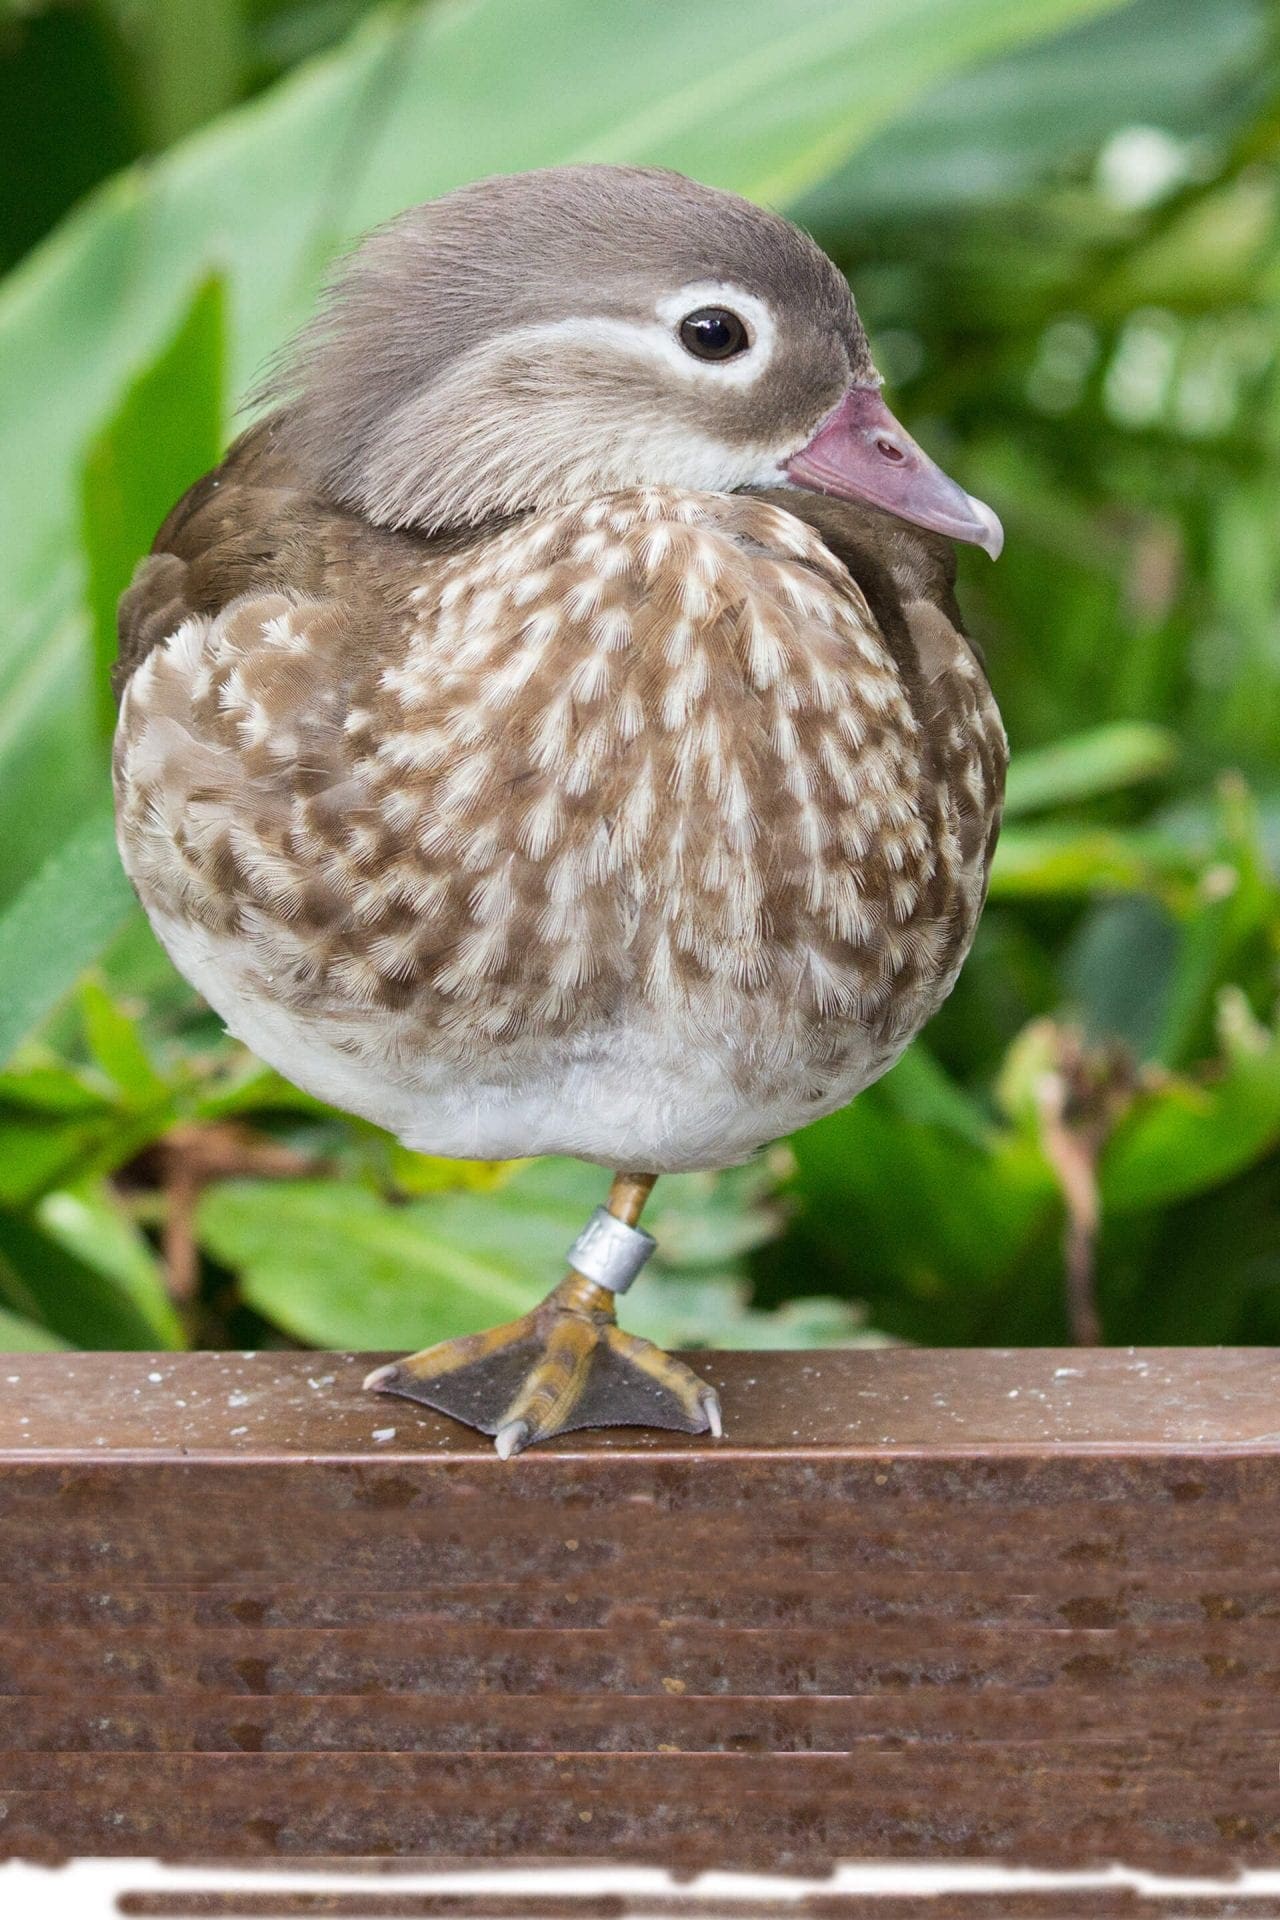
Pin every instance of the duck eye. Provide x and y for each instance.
(713, 333)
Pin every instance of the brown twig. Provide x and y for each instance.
(1079, 1100)
(192, 1157)
(1073, 1157)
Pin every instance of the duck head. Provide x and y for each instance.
(545, 337)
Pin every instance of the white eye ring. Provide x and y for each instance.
(745, 364)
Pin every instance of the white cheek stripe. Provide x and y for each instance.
(657, 341)
(504, 464)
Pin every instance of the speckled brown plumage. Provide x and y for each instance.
(544, 732)
(653, 756)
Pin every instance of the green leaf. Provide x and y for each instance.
(58, 925)
(1100, 761)
(50, 1121)
(705, 1220)
(252, 1089)
(86, 1303)
(51, 1087)
(1186, 1135)
(902, 1194)
(1118, 970)
(70, 56)
(921, 1094)
(990, 136)
(338, 1266)
(59, 1127)
(90, 1223)
(20, 1335)
(116, 1044)
(1071, 863)
(41, 1152)
(713, 1312)
(165, 432)
(38, 1153)
(413, 1174)
(1233, 913)
(190, 59)
(414, 103)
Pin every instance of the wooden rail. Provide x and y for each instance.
(1022, 1605)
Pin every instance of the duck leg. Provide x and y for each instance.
(568, 1363)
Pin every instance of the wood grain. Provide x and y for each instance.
(919, 1604)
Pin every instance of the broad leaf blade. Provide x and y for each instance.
(166, 432)
(92, 1225)
(1103, 760)
(990, 136)
(58, 925)
(338, 1266)
(1186, 1136)
(20, 1335)
(91, 1305)
(413, 104)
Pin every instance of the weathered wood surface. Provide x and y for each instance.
(1040, 1903)
(1022, 1605)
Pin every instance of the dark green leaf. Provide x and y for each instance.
(58, 925)
(91, 1223)
(926, 1205)
(1188, 1135)
(50, 1088)
(1117, 972)
(83, 1302)
(990, 136)
(1233, 917)
(165, 432)
(1100, 761)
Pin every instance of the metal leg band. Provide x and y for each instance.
(610, 1252)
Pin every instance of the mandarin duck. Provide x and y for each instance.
(551, 730)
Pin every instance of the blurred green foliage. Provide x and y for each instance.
(1060, 219)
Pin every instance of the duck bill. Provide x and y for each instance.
(860, 452)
